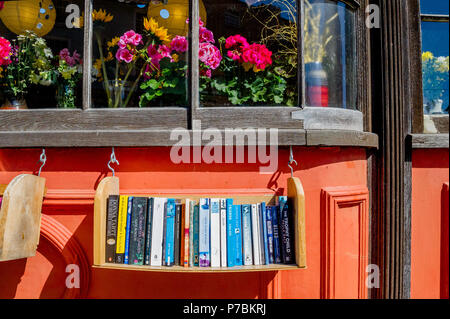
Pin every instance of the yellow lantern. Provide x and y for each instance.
(173, 15)
(33, 15)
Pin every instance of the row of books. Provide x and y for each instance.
(208, 233)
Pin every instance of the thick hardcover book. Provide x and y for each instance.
(137, 230)
(191, 233)
(127, 232)
(269, 233)
(170, 232)
(276, 235)
(148, 232)
(261, 236)
(247, 235)
(196, 234)
(231, 242)
(237, 219)
(157, 231)
(111, 228)
(178, 224)
(223, 232)
(185, 234)
(204, 233)
(215, 232)
(121, 229)
(255, 235)
(286, 239)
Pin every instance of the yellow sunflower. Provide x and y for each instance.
(113, 42)
(152, 26)
(102, 16)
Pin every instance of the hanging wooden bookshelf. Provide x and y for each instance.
(110, 186)
(20, 216)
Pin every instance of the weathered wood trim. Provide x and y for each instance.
(93, 119)
(194, 64)
(87, 54)
(148, 138)
(430, 141)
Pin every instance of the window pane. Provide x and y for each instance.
(330, 54)
(435, 67)
(434, 6)
(138, 59)
(42, 68)
(248, 52)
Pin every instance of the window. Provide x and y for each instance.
(435, 64)
(130, 64)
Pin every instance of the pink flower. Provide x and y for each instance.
(124, 55)
(64, 55)
(154, 55)
(5, 51)
(236, 41)
(179, 44)
(206, 72)
(210, 55)
(258, 55)
(130, 37)
(164, 51)
(206, 35)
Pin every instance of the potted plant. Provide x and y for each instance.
(29, 63)
(435, 82)
(69, 73)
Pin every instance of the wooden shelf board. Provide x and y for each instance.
(180, 269)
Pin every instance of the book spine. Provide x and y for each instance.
(276, 236)
(215, 232)
(285, 236)
(261, 236)
(148, 232)
(237, 218)
(127, 232)
(121, 229)
(196, 234)
(170, 232)
(204, 233)
(164, 227)
(247, 235)
(231, 243)
(191, 234)
(255, 236)
(223, 232)
(177, 235)
(137, 231)
(111, 228)
(264, 224)
(186, 227)
(157, 231)
(269, 233)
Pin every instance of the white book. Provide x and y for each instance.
(223, 232)
(204, 247)
(215, 232)
(157, 231)
(255, 235)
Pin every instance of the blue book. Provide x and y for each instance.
(204, 233)
(231, 243)
(276, 236)
(195, 235)
(269, 233)
(247, 235)
(281, 201)
(170, 232)
(127, 236)
(237, 220)
(264, 234)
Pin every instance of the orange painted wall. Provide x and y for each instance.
(73, 174)
(429, 238)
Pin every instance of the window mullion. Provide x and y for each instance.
(194, 67)
(87, 53)
(300, 66)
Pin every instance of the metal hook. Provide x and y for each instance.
(113, 160)
(43, 160)
(292, 160)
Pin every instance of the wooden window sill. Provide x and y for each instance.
(429, 141)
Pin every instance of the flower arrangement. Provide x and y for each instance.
(166, 71)
(435, 82)
(246, 75)
(25, 61)
(69, 73)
